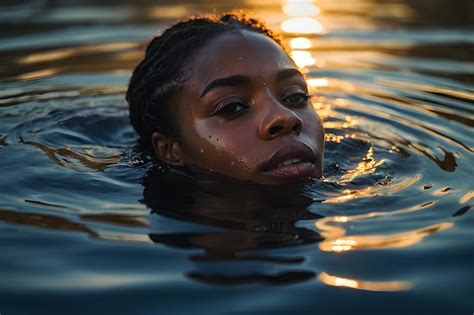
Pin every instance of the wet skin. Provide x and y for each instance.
(243, 112)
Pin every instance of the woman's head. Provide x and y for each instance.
(220, 94)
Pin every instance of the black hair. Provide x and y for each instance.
(160, 74)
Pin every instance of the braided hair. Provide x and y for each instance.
(161, 73)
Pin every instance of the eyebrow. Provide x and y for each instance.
(236, 80)
(288, 73)
(228, 81)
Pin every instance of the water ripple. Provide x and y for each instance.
(393, 84)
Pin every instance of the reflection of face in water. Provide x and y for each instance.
(252, 218)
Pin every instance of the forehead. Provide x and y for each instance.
(241, 52)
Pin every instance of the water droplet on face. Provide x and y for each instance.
(211, 170)
(240, 58)
(202, 150)
(264, 83)
(232, 163)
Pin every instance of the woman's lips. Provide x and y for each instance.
(300, 169)
(295, 160)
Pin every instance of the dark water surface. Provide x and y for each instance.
(89, 227)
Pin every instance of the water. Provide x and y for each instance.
(87, 225)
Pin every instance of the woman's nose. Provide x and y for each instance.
(280, 120)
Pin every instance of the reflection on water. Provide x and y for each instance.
(83, 211)
(254, 217)
(76, 161)
(301, 20)
(406, 239)
(380, 286)
(335, 238)
(302, 25)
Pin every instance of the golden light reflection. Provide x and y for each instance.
(367, 166)
(168, 12)
(466, 197)
(364, 285)
(331, 231)
(324, 110)
(302, 25)
(301, 20)
(333, 138)
(315, 83)
(398, 240)
(341, 85)
(300, 8)
(338, 138)
(76, 51)
(56, 222)
(348, 194)
(340, 219)
(336, 240)
(300, 43)
(85, 161)
(302, 58)
(37, 74)
(427, 88)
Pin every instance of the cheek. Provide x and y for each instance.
(224, 147)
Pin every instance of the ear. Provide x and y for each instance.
(167, 149)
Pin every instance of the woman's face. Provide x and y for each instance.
(244, 113)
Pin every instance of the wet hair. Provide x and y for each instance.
(161, 73)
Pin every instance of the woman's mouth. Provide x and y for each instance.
(297, 169)
(292, 161)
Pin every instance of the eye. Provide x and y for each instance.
(296, 99)
(231, 108)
